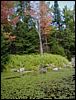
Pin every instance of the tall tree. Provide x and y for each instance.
(44, 24)
(57, 15)
(6, 28)
(69, 30)
(25, 31)
(69, 18)
(6, 11)
(43, 20)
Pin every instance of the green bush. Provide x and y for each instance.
(32, 62)
(57, 49)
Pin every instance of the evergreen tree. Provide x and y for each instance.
(26, 38)
(69, 18)
(57, 15)
(4, 50)
(26, 35)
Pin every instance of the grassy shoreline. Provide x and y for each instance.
(36, 86)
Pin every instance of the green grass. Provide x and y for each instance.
(50, 85)
(32, 62)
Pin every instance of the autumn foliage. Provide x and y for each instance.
(41, 15)
(45, 20)
(15, 20)
(6, 10)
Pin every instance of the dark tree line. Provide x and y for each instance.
(61, 39)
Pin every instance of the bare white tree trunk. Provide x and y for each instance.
(40, 39)
(37, 21)
(46, 44)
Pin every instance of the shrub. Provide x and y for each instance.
(33, 62)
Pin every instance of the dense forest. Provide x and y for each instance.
(25, 29)
(37, 46)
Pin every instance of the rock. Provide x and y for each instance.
(18, 70)
(73, 61)
(43, 70)
(22, 69)
(55, 69)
